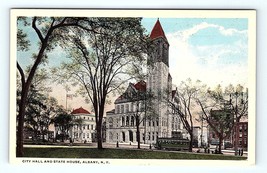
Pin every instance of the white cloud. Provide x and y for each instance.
(212, 64)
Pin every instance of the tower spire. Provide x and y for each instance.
(157, 31)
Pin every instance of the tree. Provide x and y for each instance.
(184, 105)
(217, 113)
(49, 30)
(100, 62)
(238, 98)
(39, 112)
(63, 122)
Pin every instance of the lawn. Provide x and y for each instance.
(120, 154)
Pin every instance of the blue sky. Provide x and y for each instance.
(214, 51)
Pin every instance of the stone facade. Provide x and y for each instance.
(122, 121)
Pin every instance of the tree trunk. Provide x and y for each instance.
(24, 95)
(20, 129)
(99, 135)
(99, 123)
(220, 144)
(190, 142)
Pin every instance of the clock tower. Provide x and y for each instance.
(159, 79)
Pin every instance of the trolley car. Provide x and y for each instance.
(176, 144)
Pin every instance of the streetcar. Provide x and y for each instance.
(175, 144)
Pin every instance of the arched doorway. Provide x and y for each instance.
(123, 136)
(130, 135)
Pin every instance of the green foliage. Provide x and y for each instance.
(63, 121)
(39, 112)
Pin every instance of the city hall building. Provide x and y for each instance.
(121, 122)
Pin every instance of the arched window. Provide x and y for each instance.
(110, 122)
(127, 121)
(122, 121)
(132, 120)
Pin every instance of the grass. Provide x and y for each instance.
(120, 154)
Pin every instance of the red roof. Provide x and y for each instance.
(157, 31)
(140, 86)
(80, 111)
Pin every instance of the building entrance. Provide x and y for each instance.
(130, 135)
(123, 136)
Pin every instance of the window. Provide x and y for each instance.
(148, 135)
(88, 127)
(118, 109)
(132, 120)
(110, 121)
(87, 135)
(127, 108)
(131, 107)
(122, 108)
(92, 127)
(153, 136)
(122, 121)
(127, 121)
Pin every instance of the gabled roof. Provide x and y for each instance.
(140, 86)
(157, 31)
(80, 111)
(132, 88)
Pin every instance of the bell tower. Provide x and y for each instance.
(158, 60)
(158, 76)
(160, 46)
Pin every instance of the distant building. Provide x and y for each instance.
(240, 135)
(121, 122)
(83, 129)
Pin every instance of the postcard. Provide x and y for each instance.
(132, 87)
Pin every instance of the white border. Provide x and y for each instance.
(250, 14)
